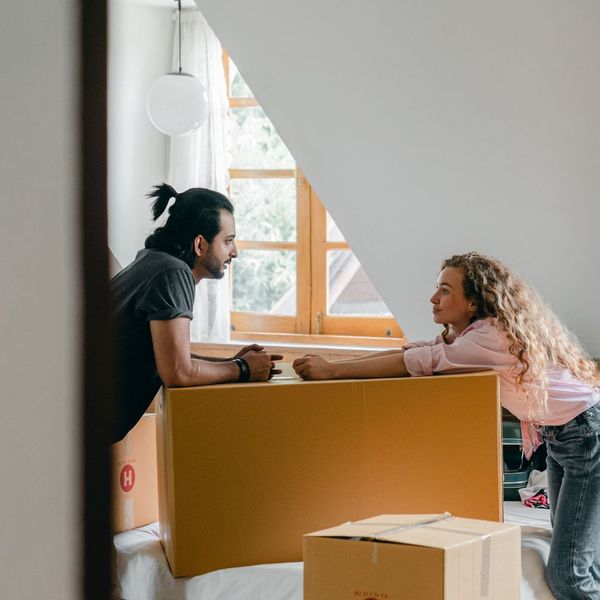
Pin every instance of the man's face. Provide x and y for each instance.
(220, 252)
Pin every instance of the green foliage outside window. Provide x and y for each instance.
(255, 142)
(265, 281)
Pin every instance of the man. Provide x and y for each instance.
(153, 299)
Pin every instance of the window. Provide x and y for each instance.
(296, 273)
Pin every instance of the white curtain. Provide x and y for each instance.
(200, 159)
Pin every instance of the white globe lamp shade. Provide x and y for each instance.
(176, 103)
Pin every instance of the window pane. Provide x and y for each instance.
(333, 233)
(239, 88)
(256, 144)
(265, 209)
(265, 281)
(349, 289)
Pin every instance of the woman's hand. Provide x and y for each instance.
(313, 366)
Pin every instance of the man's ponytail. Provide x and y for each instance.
(162, 194)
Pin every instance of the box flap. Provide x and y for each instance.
(433, 531)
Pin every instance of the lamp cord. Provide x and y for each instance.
(179, 15)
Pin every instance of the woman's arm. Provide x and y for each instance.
(371, 355)
(383, 364)
(418, 344)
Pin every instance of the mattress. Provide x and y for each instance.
(536, 533)
(143, 572)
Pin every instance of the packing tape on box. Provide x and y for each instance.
(486, 557)
(397, 528)
(394, 528)
(128, 513)
(486, 549)
(374, 555)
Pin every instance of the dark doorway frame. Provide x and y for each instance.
(97, 380)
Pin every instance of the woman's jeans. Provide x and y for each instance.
(573, 570)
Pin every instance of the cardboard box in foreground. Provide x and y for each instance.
(245, 470)
(135, 487)
(414, 557)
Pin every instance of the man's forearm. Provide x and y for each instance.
(204, 372)
(209, 358)
(175, 365)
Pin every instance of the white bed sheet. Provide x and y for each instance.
(144, 574)
(536, 533)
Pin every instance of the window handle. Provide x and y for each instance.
(319, 320)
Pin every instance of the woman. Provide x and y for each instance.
(493, 320)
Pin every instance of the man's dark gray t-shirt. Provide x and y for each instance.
(154, 287)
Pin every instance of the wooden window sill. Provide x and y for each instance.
(292, 346)
(305, 339)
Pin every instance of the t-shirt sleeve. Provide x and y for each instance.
(475, 351)
(168, 295)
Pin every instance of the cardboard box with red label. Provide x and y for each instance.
(135, 490)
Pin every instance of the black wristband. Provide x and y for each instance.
(244, 369)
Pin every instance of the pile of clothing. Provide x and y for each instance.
(535, 495)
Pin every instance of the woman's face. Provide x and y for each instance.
(450, 306)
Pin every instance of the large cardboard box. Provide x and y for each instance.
(414, 557)
(135, 487)
(245, 470)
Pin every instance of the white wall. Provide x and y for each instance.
(40, 317)
(140, 50)
(430, 128)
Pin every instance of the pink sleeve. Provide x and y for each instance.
(477, 350)
(421, 343)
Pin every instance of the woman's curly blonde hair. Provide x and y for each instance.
(536, 337)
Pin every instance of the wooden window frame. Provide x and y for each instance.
(311, 246)
(323, 323)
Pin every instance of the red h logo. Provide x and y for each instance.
(127, 478)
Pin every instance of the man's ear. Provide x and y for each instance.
(199, 245)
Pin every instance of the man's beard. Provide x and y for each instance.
(214, 267)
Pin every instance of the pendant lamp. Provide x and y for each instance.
(176, 102)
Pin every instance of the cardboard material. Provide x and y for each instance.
(245, 470)
(414, 557)
(135, 488)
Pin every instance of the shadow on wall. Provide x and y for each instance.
(114, 266)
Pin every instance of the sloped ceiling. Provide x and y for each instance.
(430, 128)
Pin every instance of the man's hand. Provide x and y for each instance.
(246, 349)
(313, 366)
(262, 365)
